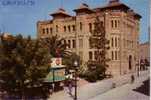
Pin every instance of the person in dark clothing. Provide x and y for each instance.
(70, 86)
(132, 78)
(50, 89)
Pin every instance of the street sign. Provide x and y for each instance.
(56, 62)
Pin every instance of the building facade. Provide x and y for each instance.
(121, 25)
(144, 51)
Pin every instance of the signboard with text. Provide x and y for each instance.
(56, 62)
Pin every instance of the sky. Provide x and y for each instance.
(21, 16)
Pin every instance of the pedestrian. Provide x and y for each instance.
(50, 89)
(70, 87)
(132, 78)
(66, 85)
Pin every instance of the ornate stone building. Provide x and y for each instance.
(121, 26)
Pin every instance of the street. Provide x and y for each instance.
(104, 89)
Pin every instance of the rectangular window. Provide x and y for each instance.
(118, 42)
(80, 26)
(69, 28)
(118, 24)
(73, 43)
(112, 42)
(50, 30)
(80, 43)
(56, 28)
(115, 42)
(90, 27)
(64, 28)
(115, 23)
(43, 30)
(90, 55)
(116, 55)
(112, 24)
(47, 30)
(73, 28)
(112, 55)
(95, 55)
(69, 44)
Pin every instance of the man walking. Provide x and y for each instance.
(70, 87)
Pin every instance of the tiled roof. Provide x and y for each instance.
(83, 6)
(60, 11)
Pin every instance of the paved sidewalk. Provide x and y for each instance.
(124, 92)
(92, 90)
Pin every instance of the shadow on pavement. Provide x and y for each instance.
(145, 88)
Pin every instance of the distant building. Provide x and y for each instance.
(121, 27)
(144, 51)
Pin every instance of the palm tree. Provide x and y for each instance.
(56, 46)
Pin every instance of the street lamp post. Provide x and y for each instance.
(138, 65)
(75, 65)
